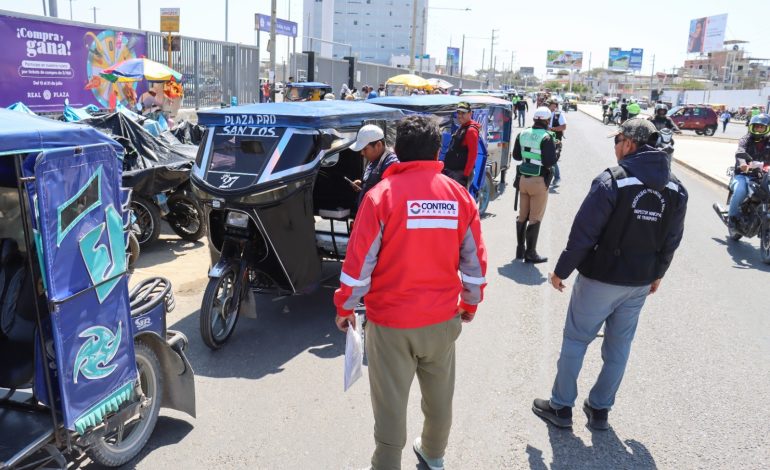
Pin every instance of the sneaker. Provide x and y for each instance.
(597, 418)
(561, 417)
(432, 464)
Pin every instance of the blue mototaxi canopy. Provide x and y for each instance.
(488, 100)
(307, 114)
(428, 104)
(23, 133)
(308, 85)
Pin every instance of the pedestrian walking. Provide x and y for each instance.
(557, 125)
(536, 149)
(521, 110)
(622, 242)
(725, 118)
(414, 317)
(460, 159)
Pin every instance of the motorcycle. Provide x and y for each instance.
(271, 179)
(612, 116)
(754, 215)
(176, 206)
(665, 141)
(86, 363)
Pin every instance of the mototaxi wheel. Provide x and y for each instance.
(133, 250)
(147, 218)
(217, 321)
(186, 217)
(484, 194)
(764, 243)
(123, 445)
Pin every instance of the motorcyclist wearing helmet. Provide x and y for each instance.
(535, 148)
(661, 119)
(753, 149)
(633, 109)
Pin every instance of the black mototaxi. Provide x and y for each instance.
(273, 182)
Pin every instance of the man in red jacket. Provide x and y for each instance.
(460, 158)
(414, 231)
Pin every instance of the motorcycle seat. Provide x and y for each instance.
(338, 214)
(17, 326)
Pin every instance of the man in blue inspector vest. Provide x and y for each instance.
(622, 242)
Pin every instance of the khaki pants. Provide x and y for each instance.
(533, 194)
(395, 355)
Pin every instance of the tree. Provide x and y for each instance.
(691, 85)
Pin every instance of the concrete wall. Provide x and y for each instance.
(733, 99)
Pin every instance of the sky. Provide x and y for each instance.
(524, 30)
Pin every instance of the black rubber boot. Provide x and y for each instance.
(521, 228)
(530, 254)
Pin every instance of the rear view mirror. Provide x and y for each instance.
(331, 160)
(327, 140)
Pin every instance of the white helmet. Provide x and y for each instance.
(542, 113)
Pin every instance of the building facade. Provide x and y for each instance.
(374, 30)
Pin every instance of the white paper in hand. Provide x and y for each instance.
(354, 354)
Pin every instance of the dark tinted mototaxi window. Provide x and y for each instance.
(239, 154)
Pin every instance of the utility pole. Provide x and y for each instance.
(652, 74)
(139, 13)
(45, 12)
(71, 11)
(227, 12)
(94, 10)
(422, 38)
(271, 72)
(490, 76)
(53, 8)
(414, 36)
(483, 59)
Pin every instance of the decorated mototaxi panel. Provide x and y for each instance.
(80, 225)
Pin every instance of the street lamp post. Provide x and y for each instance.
(139, 12)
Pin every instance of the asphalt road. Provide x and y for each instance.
(695, 395)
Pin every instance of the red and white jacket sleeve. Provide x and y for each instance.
(360, 260)
(473, 264)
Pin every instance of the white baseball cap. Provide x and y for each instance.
(366, 135)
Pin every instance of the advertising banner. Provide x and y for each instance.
(46, 63)
(625, 60)
(282, 27)
(564, 59)
(526, 71)
(452, 60)
(707, 34)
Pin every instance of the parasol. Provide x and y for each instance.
(409, 80)
(133, 70)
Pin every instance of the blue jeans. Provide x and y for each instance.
(556, 172)
(740, 188)
(592, 304)
(522, 117)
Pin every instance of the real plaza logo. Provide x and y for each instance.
(431, 208)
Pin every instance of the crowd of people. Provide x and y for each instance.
(414, 317)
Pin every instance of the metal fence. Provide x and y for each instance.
(214, 71)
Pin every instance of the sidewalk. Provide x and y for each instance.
(709, 157)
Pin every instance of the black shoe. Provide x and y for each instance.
(597, 418)
(521, 228)
(530, 254)
(561, 418)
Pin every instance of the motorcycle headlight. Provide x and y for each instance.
(237, 219)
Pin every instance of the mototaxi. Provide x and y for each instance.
(495, 117)
(273, 180)
(86, 363)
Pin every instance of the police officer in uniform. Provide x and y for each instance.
(622, 243)
(535, 148)
(460, 159)
(557, 125)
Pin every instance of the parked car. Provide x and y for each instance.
(699, 118)
(643, 103)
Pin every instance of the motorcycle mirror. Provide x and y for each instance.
(327, 140)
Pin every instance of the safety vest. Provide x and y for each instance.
(629, 248)
(530, 140)
(634, 108)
